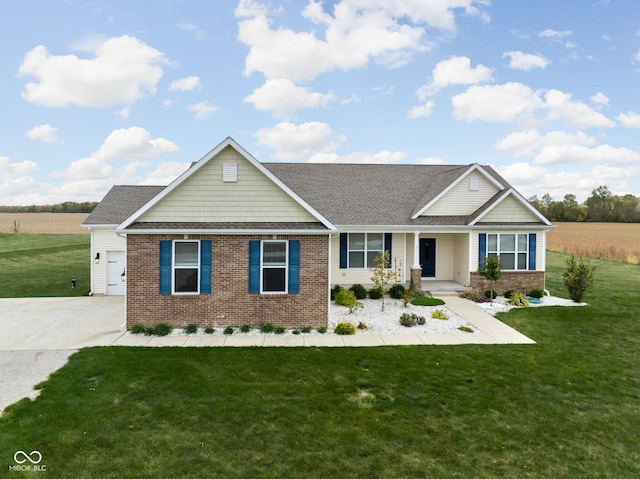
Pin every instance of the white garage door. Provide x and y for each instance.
(116, 264)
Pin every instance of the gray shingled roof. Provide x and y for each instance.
(352, 194)
(345, 194)
(121, 202)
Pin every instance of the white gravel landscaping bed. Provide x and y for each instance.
(500, 304)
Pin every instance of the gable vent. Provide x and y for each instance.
(229, 172)
(474, 183)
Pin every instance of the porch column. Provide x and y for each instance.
(416, 269)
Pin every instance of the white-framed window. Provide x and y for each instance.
(511, 248)
(186, 267)
(363, 249)
(274, 266)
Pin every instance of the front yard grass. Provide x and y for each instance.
(37, 265)
(566, 407)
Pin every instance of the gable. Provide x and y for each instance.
(467, 195)
(205, 196)
(510, 210)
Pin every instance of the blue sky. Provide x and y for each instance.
(97, 93)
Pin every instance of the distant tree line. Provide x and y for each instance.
(66, 207)
(602, 205)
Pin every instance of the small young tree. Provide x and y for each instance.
(381, 275)
(578, 278)
(490, 269)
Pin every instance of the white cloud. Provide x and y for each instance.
(421, 111)
(85, 169)
(454, 71)
(600, 99)
(185, 84)
(496, 103)
(554, 34)
(573, 112)
(134, 142)
(525, 61)
(527, 142)
(165, 173)
(302, 142)
(629, 120)
(432, 160)
(382, 157)
(198, 33)
(122, 71)
(45, 133)
(202, 110)
(124, 113)
(636, 57)
(387, 32)
(9, 171)
(605, 154)
(283, 97)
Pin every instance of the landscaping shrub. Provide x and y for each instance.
(322, 329)
(508, 293)
(279, 330)
(359, 291)
(375, 293)
(191, 329)
(296, 331)
(361, 325)
(518, 299)
(228, 330)
(472, 295)
(306, 329)
(578, 278)
(245, 328)
(267, 328)
(209, 330)
(161, 329)
(427, 301)
(536, 293)
(397, 291)
(465, 329)
(491, 294)
(408, 320)
(348, 299)
(138, 329)
(438, 314)
(335, 290)
(345, 329)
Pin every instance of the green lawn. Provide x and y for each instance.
(33, 265)
(567, 407)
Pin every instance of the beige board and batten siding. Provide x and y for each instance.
(103, 240)
(510, 210)
(461, 259)
(206, 197)
(461, 199)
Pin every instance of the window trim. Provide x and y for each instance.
(364, 251)
(285, 266)
(174, 268)
(498, 252)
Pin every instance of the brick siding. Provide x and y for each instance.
(230, 303)
(515, 280)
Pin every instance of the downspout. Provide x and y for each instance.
(92, 255)
(124, 325)
(329, 280)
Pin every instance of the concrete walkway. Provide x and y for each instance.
(74, 323)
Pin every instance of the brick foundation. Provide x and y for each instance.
(229, 304)
(516, 280)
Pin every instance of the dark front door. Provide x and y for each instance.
(428, 257)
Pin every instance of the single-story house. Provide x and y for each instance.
(234, 241)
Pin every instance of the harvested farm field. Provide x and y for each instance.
(610, 241)
(43, 223)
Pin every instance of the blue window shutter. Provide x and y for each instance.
(343, 250)
(205, 267)
(532, 251)
(254, 267)
(387, 247)
(482, 249)
(165, 267)
(294, 267)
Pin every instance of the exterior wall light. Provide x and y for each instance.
(123, 275)
(97, 258)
